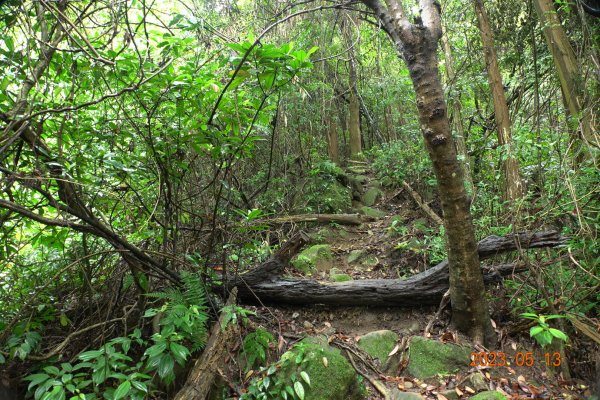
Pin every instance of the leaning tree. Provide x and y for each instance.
(416, 43)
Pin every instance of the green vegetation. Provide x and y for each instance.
(146, 148)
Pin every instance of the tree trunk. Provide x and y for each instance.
(461, 145)
(567, 68)
(418, 43)
(332, 140)
(354, 106)
(513, 186)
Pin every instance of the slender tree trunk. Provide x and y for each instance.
(418, 43)
(461, 145)
(332, 140)
(513, 186)
(354, 106)
(568, 70)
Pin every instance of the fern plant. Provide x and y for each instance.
(184, 310)
(256, 346)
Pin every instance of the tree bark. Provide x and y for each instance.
(354, 104)
(342, 219)
(568, 70)
(417, 43)
(201, 377)
(332, 140)
(513, 185)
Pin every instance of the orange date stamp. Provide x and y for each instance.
(521, 359)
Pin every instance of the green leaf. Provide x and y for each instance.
(165, 366)
(179, 352)
(122, 390)
(305, 377)
(90, 355)
(299, 389)
(558, 334)
(535, 330)
(36, 379)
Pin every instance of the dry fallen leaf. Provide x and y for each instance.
(248, 375)
(458, 392)
(441, 397)
(468, 389)
(325, 362)
(394, 350)
(521, 379)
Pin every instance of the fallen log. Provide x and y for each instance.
(342, 219)
(421, 289)
(274, 264)
(424, 206)
(202, 375)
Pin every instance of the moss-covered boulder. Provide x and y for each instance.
(429, 358)
(378, 344)
(315, 257)
(371, 212)
(371, 196)
(396, 394)
(489, 395)
(332, 377)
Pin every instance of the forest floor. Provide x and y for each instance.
(395, 250)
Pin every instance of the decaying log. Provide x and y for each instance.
(342, 219)
(419, 200)
(202, 375)
(425, 288)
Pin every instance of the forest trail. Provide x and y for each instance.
(393, 242)
(389, 244)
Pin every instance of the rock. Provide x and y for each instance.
(315, 257)
(450, 394)
(333, 379)
(378, 344)
(429, 358)
(477, 382)
(371, 212)
(361, 257)
(371, 196)
(398, 395)
(408, 385)
(340, 277)
(489, 395)
(355, 256)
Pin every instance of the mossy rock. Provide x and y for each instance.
(355, 256)
(315, 257)
(371, 196)
(362, 258)
(332, 377)
(398, 395)
(429, 358)
(378, 344)
(371, 212)
(489, 395)
(362, 179)
(357, 170)
(340, 277)
(328, 233)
